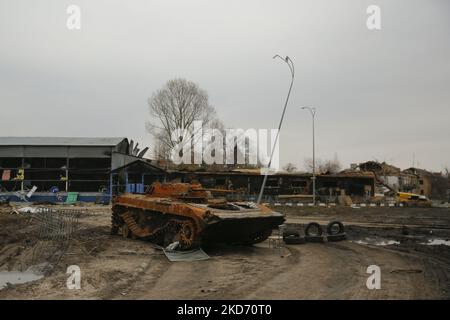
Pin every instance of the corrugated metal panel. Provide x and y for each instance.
(55, 152)
(11, 152)
(60, 141)
(44, 152)
(120, 160)
(89, 152)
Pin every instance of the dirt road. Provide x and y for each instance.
(116, 268)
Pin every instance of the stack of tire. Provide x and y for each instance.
(314, 233)
(293, 237)
(336, 231)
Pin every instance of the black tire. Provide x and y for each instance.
(290, 233)
(311, 226)
(291, 239)
(336, 237)
(319, 239)
(330, 228)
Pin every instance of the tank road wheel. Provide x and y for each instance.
(183, 231)
(187, 234)
(115, 223)
(125, 231)
(114, 227)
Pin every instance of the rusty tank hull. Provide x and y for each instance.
(187, 214)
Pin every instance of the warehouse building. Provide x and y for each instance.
(248, 182)
(57, 169)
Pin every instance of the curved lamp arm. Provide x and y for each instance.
(290, 64)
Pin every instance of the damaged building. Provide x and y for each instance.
(391, 179)
(246, 183)
(58, 169)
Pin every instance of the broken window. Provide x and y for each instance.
(89, 174)
(11, 163)
(272, 183)
(298, 184)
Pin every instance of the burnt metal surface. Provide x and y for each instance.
(188, 214)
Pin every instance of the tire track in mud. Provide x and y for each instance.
(403, 276)
(233, 274)
(140, 281)
(307, 280)
(435, 271)
(338, 271)
(254, 271)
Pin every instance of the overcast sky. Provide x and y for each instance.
(381, 94)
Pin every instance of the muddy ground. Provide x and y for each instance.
(117, 268)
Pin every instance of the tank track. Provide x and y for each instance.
(182, 230)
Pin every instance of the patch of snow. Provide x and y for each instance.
(437, 242)
(376, 242)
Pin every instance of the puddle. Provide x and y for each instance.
(15, 277)
(33, 273)
(437, 242)
(376, 242)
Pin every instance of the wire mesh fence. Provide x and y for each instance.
(56, 224)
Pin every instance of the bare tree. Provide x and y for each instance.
(309, 164)
(324, 166)
(330, 166)
(446, 172)
(174, 108)
(290, 167)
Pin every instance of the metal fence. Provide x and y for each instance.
(56, 224)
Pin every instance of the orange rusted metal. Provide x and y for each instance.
(188, 214)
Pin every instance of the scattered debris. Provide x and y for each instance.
(173, 246)
(30, 193)
(128, 252)
(407, 271)
(209, 290)
(192, 255)
(28, 210)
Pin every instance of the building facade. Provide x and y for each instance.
(49, 168)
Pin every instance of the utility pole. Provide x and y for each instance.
(312, 110)
(290, 64)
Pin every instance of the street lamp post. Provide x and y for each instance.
(290, 64)
(312, 110)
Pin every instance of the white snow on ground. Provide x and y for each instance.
(437, 242)
(376, 242)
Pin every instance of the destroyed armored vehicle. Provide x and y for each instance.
(187, 214)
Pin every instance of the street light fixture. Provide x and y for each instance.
(290, 64)
(312, 110)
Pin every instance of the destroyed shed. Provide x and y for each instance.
(246, 183)
(61, 169)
